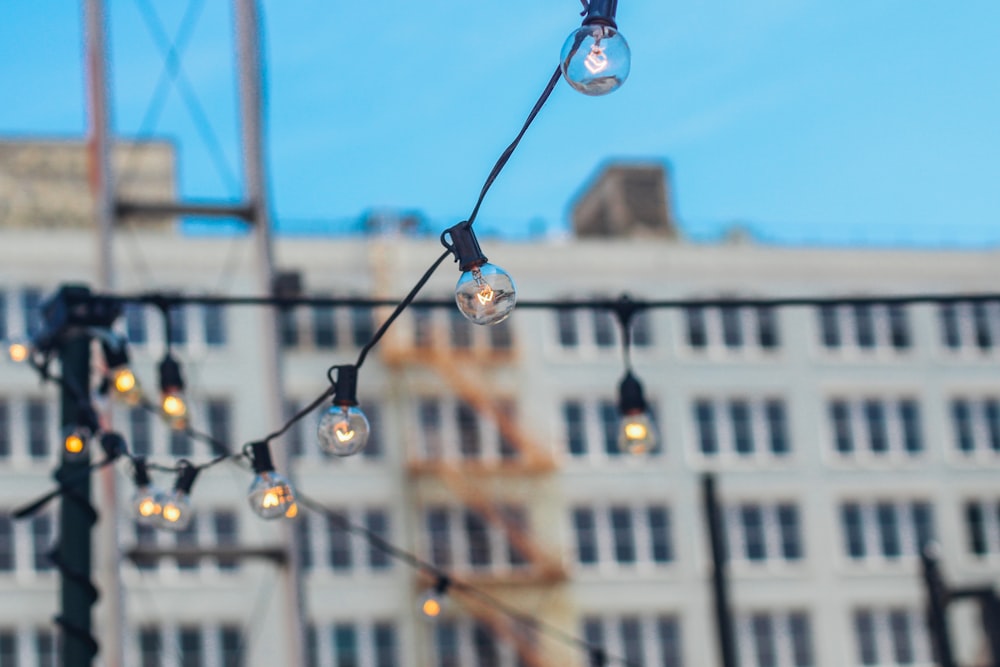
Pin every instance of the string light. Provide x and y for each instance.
(18, 351)
(343, 429)
(432, 602)
(636, 431)
(78, 435)
(172, 401)
(271, 495)
(120, 377)
(175, 506)
(485, 293)
(147, 499)
(595, 58)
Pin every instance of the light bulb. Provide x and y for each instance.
(636, 433)
(271, 496)
(175, 409)
(432, 602)
(343, 430)
(146, 502)
(596, 59)
(75, 443)
(175, 510)
(485, 294)
(126, 386)
(18, 351)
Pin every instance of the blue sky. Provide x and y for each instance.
(855, 121)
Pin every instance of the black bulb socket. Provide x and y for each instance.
(171, 379)
(113, 445)
(630, 396)
(140, 472)
(260, 457)
(86, 419)
(464, 245)
(442, 585)
(185, 478)
(345, 392)
(601, 12)
(115, 353)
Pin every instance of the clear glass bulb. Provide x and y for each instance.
(126, 386)
(343, 430)
(485, 294)
(596, 59)
(146, 504)
(431, 603)
(271, 496)
(175, 512)
(636, 433)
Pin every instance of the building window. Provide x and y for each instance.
(569, 333)
(875, 427)
(604, 328)
(749, 428)
(7, 549)
(865, 327)
(623, 534)
(37, 413)
(598, 328)
(303, 542)
(891, 637)
(231, 646)
(293, 437)
(775, 639)
(4, 329)
(142, 435)
(42, 538)
(759, 532)
(145, 538)
(640, 640)
(226, 526)
(452, 429)
(976, 425)
(135, 324)
(190, 645)
(345, 645)
(177, 325)
(362, 326)
(220, 421)
(31, 301)
(288, 328)
(339, 556)
(377, 524)
(150, 647)
(886, 529)
(373, 451)
(4, 429)
(439, 536)
(384, 645)
(214, 321)
(324, 327)
(180, 444)
(732, 327)
(45, 648)
(982, 526)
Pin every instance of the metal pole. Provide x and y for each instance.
(991, 625)
(76, 517)
(252, 114)
(720, 579)
(937, 606)
(111, 613)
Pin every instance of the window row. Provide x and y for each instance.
(886, 529)
(775, 639)
(25, 545)
(35, 647)
(640, 640)
(193, 645)
(323, 542)
(465, 539)
(623, 534)
(352, 644)
(464, 642)
(891, 636)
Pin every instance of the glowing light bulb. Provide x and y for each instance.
(18, 351)
(271, 496)
(75, 443)
(175, 510)
(146, 502)
(485, 294)
(175, 409)
(596, 59)
(126, 386)
(343, 430)
(433, 601)
(636, 433)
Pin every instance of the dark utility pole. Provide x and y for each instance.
(720, 578)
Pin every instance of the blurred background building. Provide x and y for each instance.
(842, 439)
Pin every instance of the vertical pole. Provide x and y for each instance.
(76, 517)
(937, 606)
(720, 579)
(111, 611)
(252, 113)
(991, 626)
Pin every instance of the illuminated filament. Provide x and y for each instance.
(276, 496)
(344, 432)
(635, 431)
(172, 513)
(596, 61)
(485, 293)
(148, 507)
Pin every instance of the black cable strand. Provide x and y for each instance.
(407, 300)
(418, 563)
(505, 156)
